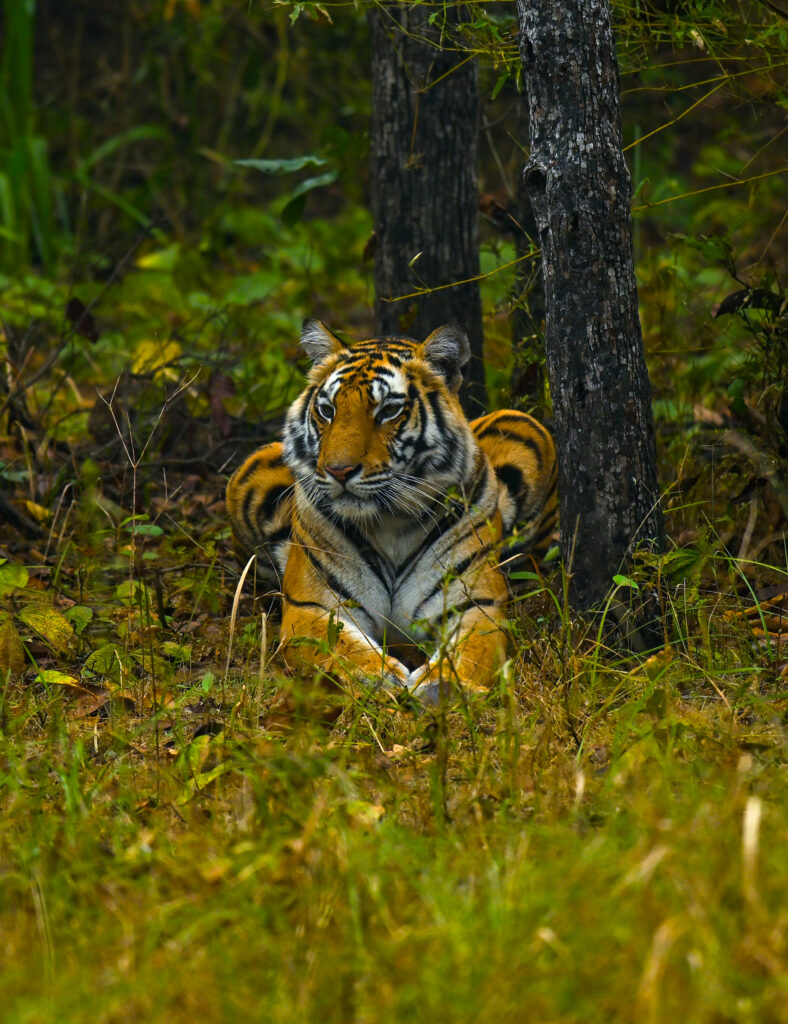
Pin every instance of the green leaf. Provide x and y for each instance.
(148, 530)
(79, 616)
(625, 581)
(165, 260)
(113, 662)
(294, 207)
(13, 476)
(138, 134)
(248, 289)
(12, 577)
(49, 623)
(178, 652)
(312, 183)
(736, 396)
(207, 682)
(134, 593)
(293, 211)
(141, 517)
(51, 677)
(523, 575)
(200, 782)
(283, 166)
(500, 83)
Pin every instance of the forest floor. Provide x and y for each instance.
(189, 835)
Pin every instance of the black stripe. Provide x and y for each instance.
(512, 479)
(455, 573)
(302, 604)
(272, 499)
(420, 445)
(283, 533)
(370, 556)
(517, 417)
(451, 518)
(482, 602)
(245, 472)
(327, 576)
(297, 439)
(434, 399)
(448, 520)
(526, 442)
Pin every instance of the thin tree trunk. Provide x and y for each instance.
(580, 193)
(424, 145)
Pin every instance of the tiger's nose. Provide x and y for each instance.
(342, 473)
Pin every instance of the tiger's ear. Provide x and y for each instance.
(317, 341)
(447, 351)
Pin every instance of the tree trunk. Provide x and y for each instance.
(424, 145)
(527, 316)
(580, 193)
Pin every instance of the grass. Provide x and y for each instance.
(183, 863)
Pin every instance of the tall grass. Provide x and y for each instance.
(385, 868)
(26, 182)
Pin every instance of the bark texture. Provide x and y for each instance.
(424, 147)
(527, 316)
(580, 191)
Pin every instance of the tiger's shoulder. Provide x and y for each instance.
(522, 454)
(260, 505)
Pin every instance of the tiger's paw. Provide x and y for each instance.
(391, 678)
(427, 689)
(429, 686)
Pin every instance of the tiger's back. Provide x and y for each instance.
(260, 504)
(522, 454)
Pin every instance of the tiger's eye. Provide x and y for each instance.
(324, 408)
(390, 409)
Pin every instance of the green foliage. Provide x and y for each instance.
(26, 183)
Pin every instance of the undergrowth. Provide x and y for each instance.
(187, 834)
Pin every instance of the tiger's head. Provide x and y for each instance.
(379, 428)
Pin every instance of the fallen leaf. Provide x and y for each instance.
(51, 677)
(38, 512)
(87, 705)
(49, 624)
(12, 653)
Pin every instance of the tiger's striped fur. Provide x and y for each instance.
(386, 513)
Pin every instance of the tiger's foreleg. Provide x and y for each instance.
(321, 632)
(468, 658)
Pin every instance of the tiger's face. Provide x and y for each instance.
(379, 429)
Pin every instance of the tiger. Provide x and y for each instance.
(389, 520)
